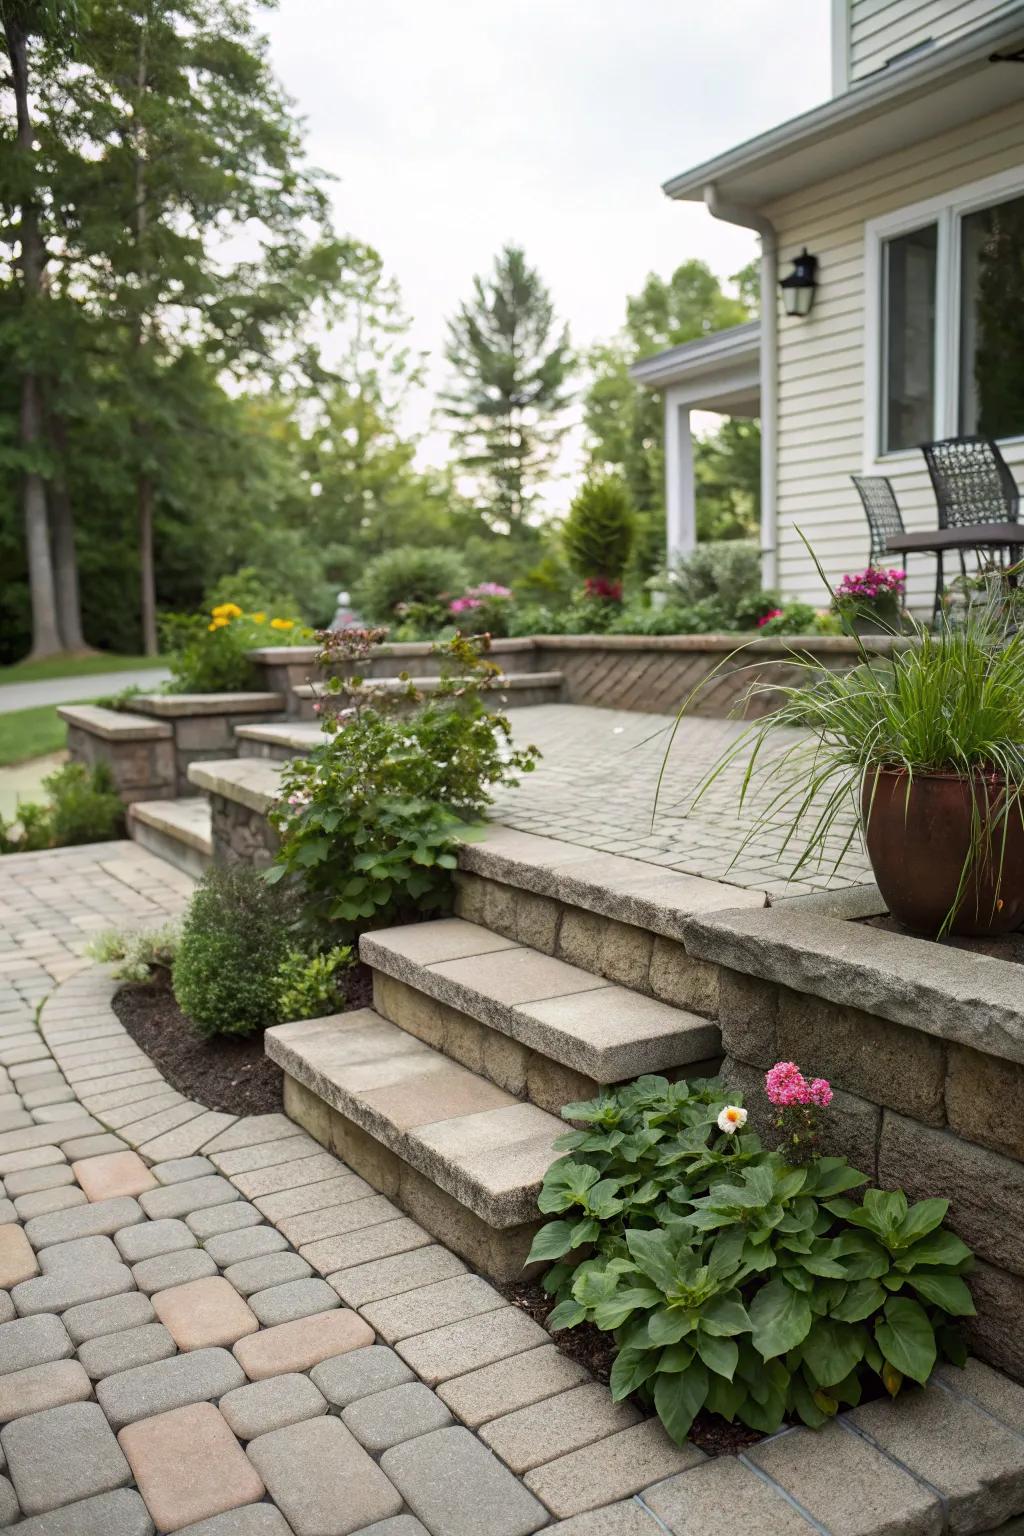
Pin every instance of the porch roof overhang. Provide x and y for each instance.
(903, 104)
(718, 372)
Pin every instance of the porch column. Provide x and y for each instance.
(680, 489)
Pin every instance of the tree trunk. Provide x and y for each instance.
(62, 538)
(144, 483)
(147, 570)
(46, 639)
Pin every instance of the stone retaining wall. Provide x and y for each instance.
(241, 835)
(138, 752)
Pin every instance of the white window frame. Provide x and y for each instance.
(946, 212)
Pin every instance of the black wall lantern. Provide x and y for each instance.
(798, 288)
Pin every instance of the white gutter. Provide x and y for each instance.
(749, 218)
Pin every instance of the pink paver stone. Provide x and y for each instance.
(17, 1260)
(113, 1174)
(204, 1313)
(300, 1345)
(189, 1466)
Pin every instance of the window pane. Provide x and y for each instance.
(992, 320)
(908, 393)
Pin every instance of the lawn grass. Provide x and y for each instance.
(75, 666)
(26, 733)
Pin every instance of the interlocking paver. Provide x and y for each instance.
(313, 1197)
(249, 1520)
(113, 1352)
(114, 1315)
(223, 1218)
(79, 1253)
(351, 1216)
(121, 1513)
(70, 1288)
(190, 1195)
(266, 1154)
(560, 1424)
(631, 1518)
(253, 1275)
(247, 1243)
(390, 1277)
(177, 1169)
(376, 1242)
(171, 1269)
(322, 1479)
(62, 1455)
(462, 1347)
(200, 1376)
(387, 1418)
(84, 1148)
(7, 1312)
(101, 1219)
(300, 1345)
(43, 1200)
(510, 1384)
(252, 1131)
(346, 1378)
(9, 1510)
(33, 1341)
(305, 1170)
(186, 1139)
(455, 1485)
(37, 1157)
(694, 1501)
(17, 1260)
(153, 1238)
(189, 1466)
(432, 1306)
(299, 1298)
(204, 1312)
(612, 1469)
(272, 1404)
(53, 1176)
(117, 1173)
(42, 1386)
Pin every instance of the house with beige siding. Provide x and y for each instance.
(907, 187)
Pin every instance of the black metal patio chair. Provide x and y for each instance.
(972, 482)
(882, 511)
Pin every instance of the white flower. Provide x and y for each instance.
(732, 1119)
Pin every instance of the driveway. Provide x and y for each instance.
(65, 690)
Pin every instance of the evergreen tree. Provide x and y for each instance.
(511, 363)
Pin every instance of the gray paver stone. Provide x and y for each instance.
(510, 1384)
(250, 1520)
(346, 1378)
(612, 1469)
(80, 1253)
(61, 1455)
(33, 1341)
(68, 1288)
(37, 1157)
(101, 1218)
(322, 1479)
(270, 1154)
(9, 1510)
(114, 1315)
(387, 1418)
(7, 1312)
(78, 1148)
(223, 1218)
(113, 1352)
(190, 1195)
(461, 1347)
(44, 1200)
(202, 1375)
(251, 1131)
(152, 1238)
(42, 1386)
(313, 1197)
(304, 1170)
(8, 1211)
(551, 1428)
(432, 1306)
(997, 1394)
(299, 1298)
(379, 1241)
(167, 1269)
(249, 1243)
(121, 1513)
(455, 1485)
(177, 1169)
(390, 1277)
(399, 1525)
(630, 1518)
(694, 1502)
(272, 1404)
(253, 1275)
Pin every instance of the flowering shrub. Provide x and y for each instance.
(487, 606)
(733, 1281)
(797, 1101)
(791, 619)
(870, 585)
(209, 653)
(370, 820)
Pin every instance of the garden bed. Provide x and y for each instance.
(224, 1073)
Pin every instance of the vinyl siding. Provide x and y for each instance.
(880, 30)
(821, 360)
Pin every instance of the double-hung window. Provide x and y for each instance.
(945, 293)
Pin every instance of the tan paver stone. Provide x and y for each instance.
(461, 1347)
(694, 1502)
(530, 1436)
(251, 1131)
(510, 1384)
(116, 1173)
(203, 1313)
(612, 1469)
(313, 1197)
(42, 1386)
(189, 1466)
(432, 1306)
(352, 1216)
(377, 1242)
(304, 1170)
(300, 1345)
(630, 1518)
(17, 1261)
(389, 1277)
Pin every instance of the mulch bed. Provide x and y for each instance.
(224, 1073)
(596, 1352)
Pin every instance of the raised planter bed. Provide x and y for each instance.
(138, 751)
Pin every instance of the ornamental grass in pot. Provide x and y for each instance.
(921, 752)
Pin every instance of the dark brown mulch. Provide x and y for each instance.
(223, 1073)
(596, 1352)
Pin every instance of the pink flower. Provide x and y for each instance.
(820, 1092)
(773, 613)
(786, 1085)
(463, 604)
(317, 708)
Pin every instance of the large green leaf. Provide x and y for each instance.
(551, 1242)
(921, 1219)
(906, 1338)
(861, 1299)
(668, 1325)
(631, 1369)
(936, 1248)
(653, 1253)
(780, 1318)
(724, 1315)
(719, 1355)
(946, 1291)
(566, 1315)
(832, 1350)
(679, 1398)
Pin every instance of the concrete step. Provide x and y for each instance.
(513, 690)
(175, 830)
(584, 1022)
(462, 1156)
(278, 743)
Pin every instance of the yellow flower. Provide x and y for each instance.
(258, 618)
(218, 623)
(282, 623)
(227, 611)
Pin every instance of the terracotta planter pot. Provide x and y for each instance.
(919, 842)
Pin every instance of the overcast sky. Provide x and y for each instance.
(456, 125)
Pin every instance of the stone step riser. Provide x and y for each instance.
(170, 847)
(269, 751)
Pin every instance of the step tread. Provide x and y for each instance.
(485, 1148)
(251, 781)
(304, 734)
(509, 680)
(583, 1021)
(170, 705)
(114, 724)
(187, 819)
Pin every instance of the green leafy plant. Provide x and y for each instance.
(311, 985)
(725, 574)
(210, 653)
(234, 940)
(135, 953)
(731, 1280)
(411, 579)
(599, 533)
(370, 821)
(83, 806)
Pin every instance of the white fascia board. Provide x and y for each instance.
(731, 355)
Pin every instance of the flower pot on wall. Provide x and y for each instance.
(942, 843)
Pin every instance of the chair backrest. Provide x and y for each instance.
(882, 511)
(972, 482)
